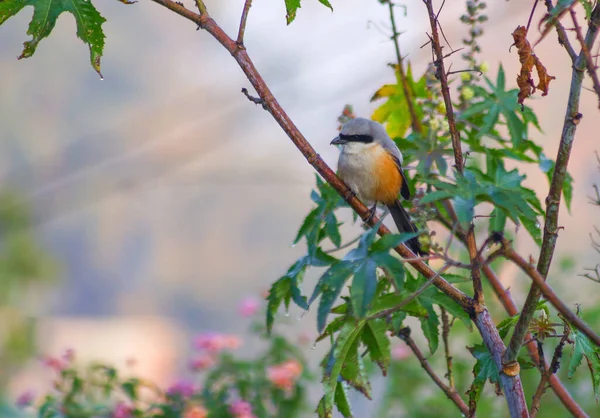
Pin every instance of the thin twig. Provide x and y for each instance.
(446, 325)
(201, 7)
(547, 374)
(341, 247)
(563, 39)
(540, 282)
(412, 297)
(255, 100)
(535, 3)
(451, 393)
(551, 228)
(242, 30)
(586, 53)
(465, 71)
(408, 94)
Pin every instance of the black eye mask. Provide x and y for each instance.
(366, 139)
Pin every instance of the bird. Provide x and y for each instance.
(370, 164)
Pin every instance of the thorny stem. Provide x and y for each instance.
(446, 325)
(572, 119)
(451, 393)
(511, 384)
(414, 119)
(548, 373)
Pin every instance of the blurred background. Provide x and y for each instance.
(160, 196)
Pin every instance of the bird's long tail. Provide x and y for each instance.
(404, 224)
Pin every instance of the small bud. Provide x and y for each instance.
(465, 76)
(467, 93)
(484, 67)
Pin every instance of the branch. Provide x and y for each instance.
(563, 39)
(440, 74)
(586, 53)
(511, 308)
(452, 394)
(242, 30)
(556, 187)
(446, 325)
(554, 365)
(540, 282)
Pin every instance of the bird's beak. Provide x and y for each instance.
(338, 141)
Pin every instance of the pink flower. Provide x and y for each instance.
(183, 388)
(284, 375)
(54, 363)
(122, 411)
(217, 342)
(196, 411)
(400, 352)
(241, 409)
(25, 399)
(202, 362)
(248, 307)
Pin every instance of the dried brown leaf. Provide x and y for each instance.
(528, 61)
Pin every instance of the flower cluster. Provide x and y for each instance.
(285, 375)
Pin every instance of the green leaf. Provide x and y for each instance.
(497, 220)
(391, 300)
(326, 3)
(435, 196)
(435, 296)
(329, 287)
(389, 241)
(286, 289)
(430, 325)
(505, 326)
(335, 362)
(354, 371)
(393, 266)
(341, 400)
(483, 370)
(363, 287)
(394, 112)
(583, 347)
(333, 327)
(465, 210)
(291, 6)
(87, 18)
(375, 338)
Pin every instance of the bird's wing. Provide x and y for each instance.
(404, 189)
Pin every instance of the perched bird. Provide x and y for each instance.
(370, 164)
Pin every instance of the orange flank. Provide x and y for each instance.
(388, 178)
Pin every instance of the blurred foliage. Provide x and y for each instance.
(272, 384)
(24, 264)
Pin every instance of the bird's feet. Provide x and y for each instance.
(371, 214)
